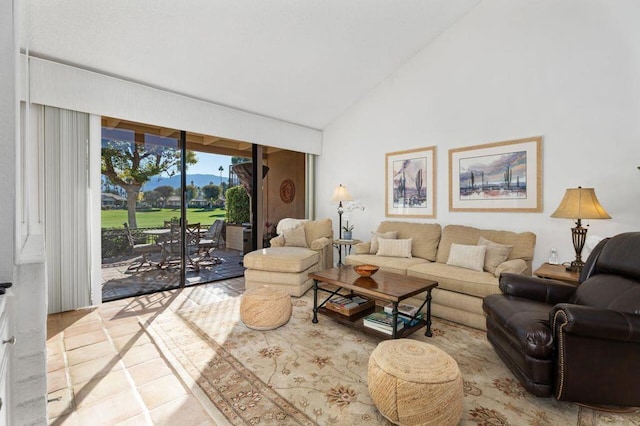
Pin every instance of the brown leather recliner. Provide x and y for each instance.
(582, 343)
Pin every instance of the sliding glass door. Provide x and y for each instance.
(181, 208)
(142, 209)
(164, 209)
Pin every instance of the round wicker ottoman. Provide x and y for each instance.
(415, 383)
(265, 308)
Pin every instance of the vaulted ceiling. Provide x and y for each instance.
(301, 61)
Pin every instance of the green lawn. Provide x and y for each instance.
(156, 218)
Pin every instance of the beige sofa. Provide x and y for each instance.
(460, 290)
(287, 263)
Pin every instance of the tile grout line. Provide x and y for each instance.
(138, 397)
(67, 372)
(187, 382)
(71, 411)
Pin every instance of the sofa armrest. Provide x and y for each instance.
(596, 323)
(277, 241)
(320, 243)
(513, 266)
(362, 248)
(539, 289)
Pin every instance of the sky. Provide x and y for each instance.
(208, 164)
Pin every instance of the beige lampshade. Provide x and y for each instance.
(580, 203)
(341, 194)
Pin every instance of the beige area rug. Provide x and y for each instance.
(308, 374)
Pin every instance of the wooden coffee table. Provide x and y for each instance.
(382, 286)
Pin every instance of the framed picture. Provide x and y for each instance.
(497, 177)
(411, 183)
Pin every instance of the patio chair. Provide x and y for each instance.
(173, 245)
(211, 241)
(142, 249)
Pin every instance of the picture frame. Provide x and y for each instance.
(497, 177)
(410, 183)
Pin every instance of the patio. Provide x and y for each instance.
(118, 282)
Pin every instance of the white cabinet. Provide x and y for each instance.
(6, 347)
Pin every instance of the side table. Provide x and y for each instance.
(347, 247)
(557, 272)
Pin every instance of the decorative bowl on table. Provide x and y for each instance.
(366, 270)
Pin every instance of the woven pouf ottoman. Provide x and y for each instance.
(265, 308)
(415, 383)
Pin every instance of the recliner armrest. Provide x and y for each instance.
(595, 322)
(539, 289)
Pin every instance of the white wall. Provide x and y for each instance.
(568, 71)
(26, 399)
(8, 134)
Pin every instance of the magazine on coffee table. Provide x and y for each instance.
(409, 310)
(382, 321)
(349, 305)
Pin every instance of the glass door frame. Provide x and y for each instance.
(182, 143)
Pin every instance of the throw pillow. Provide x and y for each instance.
(394, 248)
(295, 238)
(496, 254)
(391, 235)
(288, 224)
(468, 257)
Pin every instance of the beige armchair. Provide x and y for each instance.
(292, 256)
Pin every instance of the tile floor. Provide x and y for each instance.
(102, 368)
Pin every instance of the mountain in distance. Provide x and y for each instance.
(199, 180)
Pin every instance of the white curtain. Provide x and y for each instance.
(67, 207)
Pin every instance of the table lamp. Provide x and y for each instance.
(340, 194)
(580, 203)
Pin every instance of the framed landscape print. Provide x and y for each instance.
(410, 187)
(497, 177)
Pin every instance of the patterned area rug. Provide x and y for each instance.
(308, 374)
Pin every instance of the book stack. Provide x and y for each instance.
(382, 321)
(405, 309)
(349, 305)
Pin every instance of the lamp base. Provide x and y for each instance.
(579, 236)
(575, 266)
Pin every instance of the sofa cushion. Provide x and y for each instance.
(453, 278)
(281, 259)
(426, 236)
(315, 229)
(394, 248)
(373, 246)
(295, 237)
(397, 265)
(281, 278)
(523, 243)
(496, 254)
(468, 257)
(513, 266)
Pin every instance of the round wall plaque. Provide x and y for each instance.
(287, 191)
